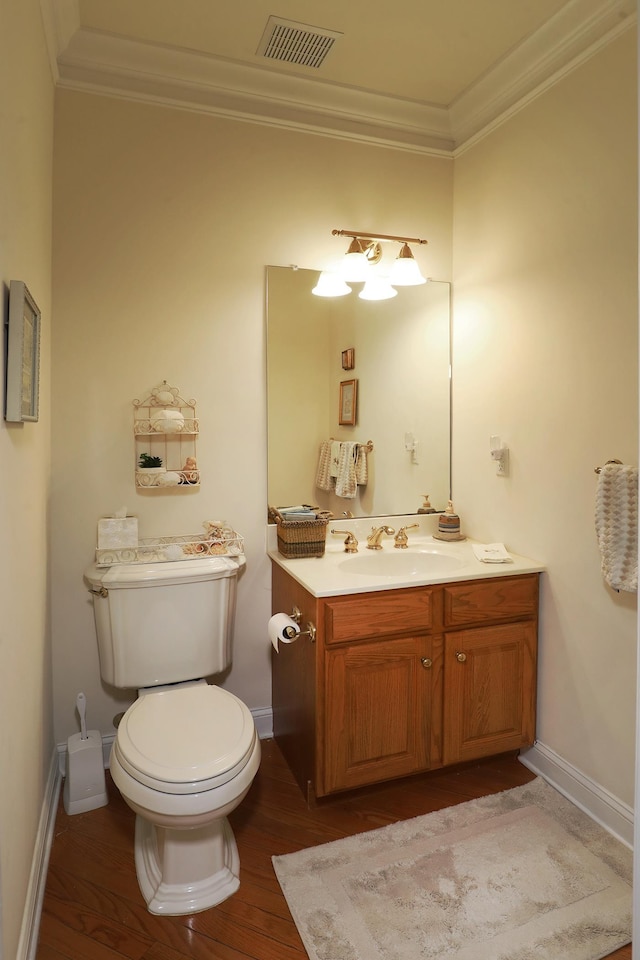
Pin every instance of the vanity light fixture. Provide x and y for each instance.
(357, 266)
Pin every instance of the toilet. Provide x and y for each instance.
(185, 752)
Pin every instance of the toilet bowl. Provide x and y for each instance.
(184, 757)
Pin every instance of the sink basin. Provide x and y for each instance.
(401, 563)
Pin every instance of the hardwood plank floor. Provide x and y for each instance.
(93, 909)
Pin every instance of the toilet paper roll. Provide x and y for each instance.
(282, 629)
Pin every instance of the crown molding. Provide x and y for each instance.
(562, 44)
(96, 62)
(60, 19)
(115, 66)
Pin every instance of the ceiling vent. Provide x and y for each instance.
(292, 42)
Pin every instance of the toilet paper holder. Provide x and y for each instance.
(311, 629)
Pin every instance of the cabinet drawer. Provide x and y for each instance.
(505, 598)
(367, 615)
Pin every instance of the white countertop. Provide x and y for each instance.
(330, 575)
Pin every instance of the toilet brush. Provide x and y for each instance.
(84, 785)
(81, 703)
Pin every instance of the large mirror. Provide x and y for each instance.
(401, 364)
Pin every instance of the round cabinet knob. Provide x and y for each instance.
(461, 657)
(426, 662)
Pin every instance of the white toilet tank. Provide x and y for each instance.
(160, 623)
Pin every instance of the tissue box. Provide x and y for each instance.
(117, 532)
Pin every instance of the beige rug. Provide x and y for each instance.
(521, 875)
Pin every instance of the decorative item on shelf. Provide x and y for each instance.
(189, 472)
(150, 470)
(162, 549)
(165, 424)
(167, 421)
(449, 525)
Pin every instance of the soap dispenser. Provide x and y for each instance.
(449, 525)
(426, 506)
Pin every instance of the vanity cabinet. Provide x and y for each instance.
(401, 681)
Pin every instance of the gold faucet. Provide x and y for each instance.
(350, 543)
(401, 538)
(374, 538)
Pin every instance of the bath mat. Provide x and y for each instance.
(520, 875)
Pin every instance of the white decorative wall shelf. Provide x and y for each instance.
(165, 429)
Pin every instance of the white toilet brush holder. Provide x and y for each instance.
(84, 785)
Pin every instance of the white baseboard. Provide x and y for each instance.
(28, 942)
(615, 816)
(263, 719)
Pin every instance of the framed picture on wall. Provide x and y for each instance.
(23, 355)
(348, 359)
(348, 401)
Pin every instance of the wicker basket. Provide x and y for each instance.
(300, 538)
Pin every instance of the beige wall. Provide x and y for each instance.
(164, 222)
(545, 281)
(26, 743)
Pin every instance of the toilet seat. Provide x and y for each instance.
(187, 739)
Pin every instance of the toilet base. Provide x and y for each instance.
(186, 871)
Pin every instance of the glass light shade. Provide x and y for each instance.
(330, 285)
(405, 272)
(354, 266)
(377, 288)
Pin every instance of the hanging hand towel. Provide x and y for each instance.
(346, 485)
(362, 469)
(336, 448)
(617, 525)
(323, 476)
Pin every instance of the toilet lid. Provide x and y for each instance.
(185, 739)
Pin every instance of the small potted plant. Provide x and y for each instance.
(149, 467)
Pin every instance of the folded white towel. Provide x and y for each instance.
(167, 421)
(617, 525)
(491, 553)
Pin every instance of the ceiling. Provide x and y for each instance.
(429, 79)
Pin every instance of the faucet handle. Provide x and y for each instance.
(401, 539)
(350, 542)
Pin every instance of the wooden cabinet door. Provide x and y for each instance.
(489, 690)
(377, 705)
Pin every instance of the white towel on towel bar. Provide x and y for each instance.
(336, 448)
(323, 474)
(617, 525)
(346, 485)
(362, 468)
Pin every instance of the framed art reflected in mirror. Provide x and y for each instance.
(23, 355)
(348, 401)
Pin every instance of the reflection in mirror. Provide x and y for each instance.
(401, 364)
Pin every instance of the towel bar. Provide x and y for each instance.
(598, 469)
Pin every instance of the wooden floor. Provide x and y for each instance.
(93, 909)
